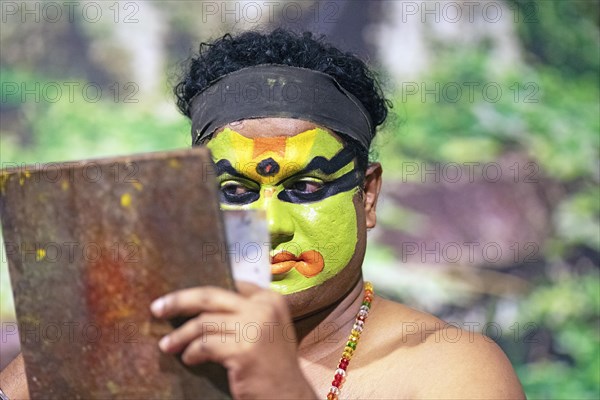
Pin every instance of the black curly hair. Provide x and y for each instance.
(233, 52)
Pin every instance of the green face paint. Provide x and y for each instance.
(306, 183)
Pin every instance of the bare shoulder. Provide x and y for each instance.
(430, 358)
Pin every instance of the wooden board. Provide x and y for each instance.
(89, 246)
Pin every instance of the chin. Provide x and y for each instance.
(329, 293)
(316, 298)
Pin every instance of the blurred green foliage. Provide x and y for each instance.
(549, 110)
(568, 307)
(102, 128)
(559, 130)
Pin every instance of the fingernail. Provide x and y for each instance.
(164, 343)
(157, 306)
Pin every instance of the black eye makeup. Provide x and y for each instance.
(309, 192)
(238, 192)
(307, 185)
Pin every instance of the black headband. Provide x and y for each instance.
(279, 91)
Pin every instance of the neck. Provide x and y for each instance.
(317, 332)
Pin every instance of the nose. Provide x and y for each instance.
(279, 219)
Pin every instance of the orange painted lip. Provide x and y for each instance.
(309, 263)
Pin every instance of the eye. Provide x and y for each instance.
(235, 192)
(306, 186)
(234, 188)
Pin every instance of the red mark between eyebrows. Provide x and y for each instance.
(264, 144)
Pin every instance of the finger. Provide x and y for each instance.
(192, 301)
(177, 340)
(208, 348)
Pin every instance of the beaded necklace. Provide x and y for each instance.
(340, 373)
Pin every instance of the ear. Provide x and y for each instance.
(371, 193)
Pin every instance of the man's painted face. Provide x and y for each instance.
(306, 183)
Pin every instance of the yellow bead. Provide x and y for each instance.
(355, 333)
(347, 355)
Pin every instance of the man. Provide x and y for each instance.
(289, 121)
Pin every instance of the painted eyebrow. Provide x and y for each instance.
(328, 167)
(318, 163)
(225, 167)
